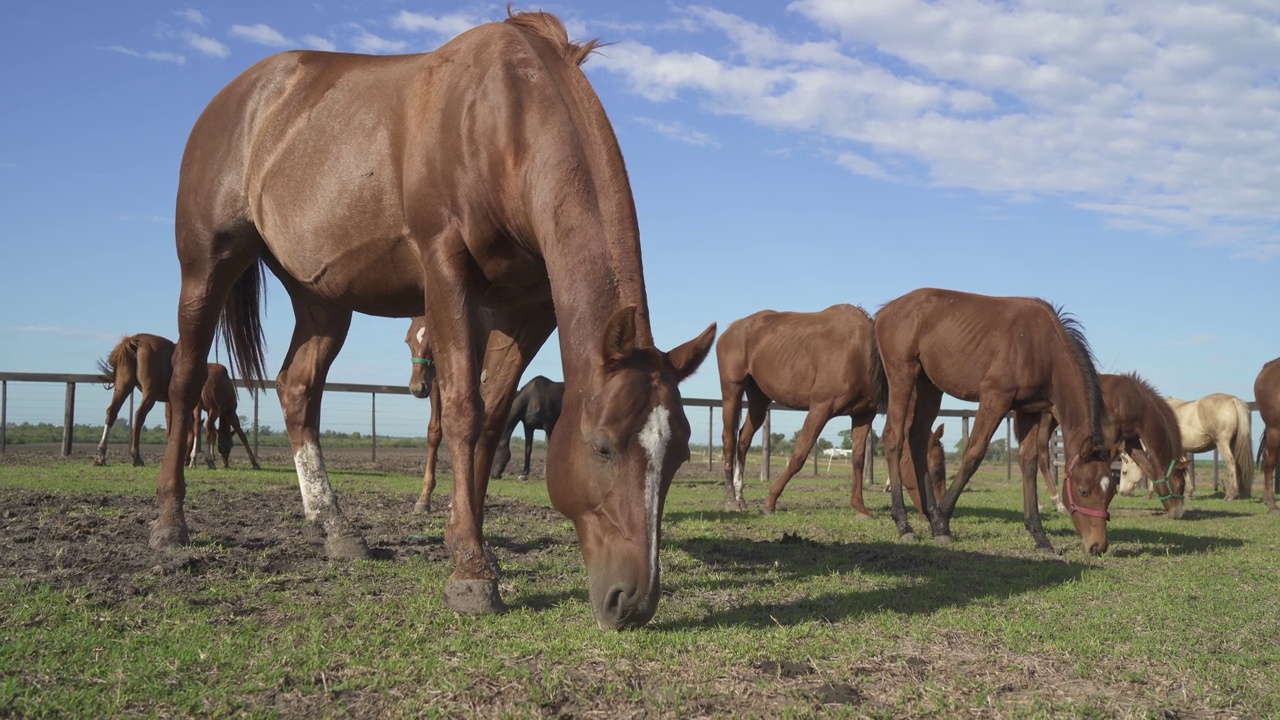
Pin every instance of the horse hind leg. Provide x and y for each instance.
(318, 335)
(528, 452)
(1269, 453)
(757, 411)
(244, 440)
(119, 394)
(731, 408)
(859, 436)
(814, 421)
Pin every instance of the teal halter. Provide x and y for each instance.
(424, 361)
(1165, 481)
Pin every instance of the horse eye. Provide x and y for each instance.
(602, 448)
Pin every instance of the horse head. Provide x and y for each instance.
(621, 437)
(1087, 491)
(424, 368)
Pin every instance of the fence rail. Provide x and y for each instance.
(711, 404)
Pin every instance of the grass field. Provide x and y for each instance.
(804, 612)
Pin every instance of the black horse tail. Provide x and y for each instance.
(241, 326)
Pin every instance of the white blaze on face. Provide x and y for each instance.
(422, 333)
(654, 437)
(1105, 483)
(313, 480)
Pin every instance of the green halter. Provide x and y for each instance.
(1165, 481)
(424, 361)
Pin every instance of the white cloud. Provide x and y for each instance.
(149, 55)
(260, 34)
(191, 15)
(679, 132)
(315, 42)
(446, 26)
(1158, 116)
(206, 45)
(367, 42)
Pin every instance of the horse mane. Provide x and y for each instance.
(1079, 346)
(1155, 403)
(550, 28)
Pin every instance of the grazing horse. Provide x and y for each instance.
(143, 361)
(1221, 421)
(482, 174)
(422, 383)
(1018, 354)
(824, 362)
(1266, 392)
(537, 406)
(219, 400)
(1142, 422)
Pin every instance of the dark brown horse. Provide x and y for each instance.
(142, 361)
(1138, 418)
(219, 400)
(537, 407)
(1006, 354)
(482, 174)
(824, 362)
(422, 384)
(1266, 392)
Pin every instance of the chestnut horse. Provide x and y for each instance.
(824, 362)
(1266, 392)
(143, 361)
(484, 173)
(1220, 421)
(537, 406)
(422, 384)
(219, 400)
(1018, 354)
(1139, 419)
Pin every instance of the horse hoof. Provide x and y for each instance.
(256, 466)
(1046, 549)
(734, 506)
(421, 508)
(523, 478)
(346, 547)
(99, 462)
(767, 510)
(907, 537)
(863, 516)
(169, 537)
(943, 539)
(473, 597)
(137, 462)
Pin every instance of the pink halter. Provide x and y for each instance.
(1070, 497)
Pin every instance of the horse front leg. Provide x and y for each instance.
(528, 452)
(859, 436)
(992, 409)
(1269, 453)
(434, 436)
(814, 421)
(318, 334)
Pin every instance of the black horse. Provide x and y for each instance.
(537, 405)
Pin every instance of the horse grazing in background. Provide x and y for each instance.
(824, 362)
(482, 174)
(142, 361)
(1018, 354)
(1266, 392)
(219, 400)
(537, 406)
(1140, 421)
(1221, 421)
(422, 384)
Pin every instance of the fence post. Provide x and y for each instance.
(255, 422)
(373, 423)
(964, 432)
(711, 420)
(68, 419)
(1008, 448)
(766, 447)
(4, 416)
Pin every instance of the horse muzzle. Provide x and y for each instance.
(419, 389)
(619, 604)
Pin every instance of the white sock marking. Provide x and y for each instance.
(737, 480)
(654, 438)
(313, 480)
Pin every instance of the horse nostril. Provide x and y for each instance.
(619, 601)
(1097, 549)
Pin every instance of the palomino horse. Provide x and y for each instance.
(218, 398)
(537, 406)
(484, 173)
(824, 362)
(1221, 421)
(1139, 419)
(1266, 392)
(1006, 354)
(143, 361)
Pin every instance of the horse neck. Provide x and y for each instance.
(1071, 400)
(593, 244)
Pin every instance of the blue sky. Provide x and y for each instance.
(1119, 159)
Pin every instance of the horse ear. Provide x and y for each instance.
(1086, 450)
(619, 336)
(686, 358)
(1115, 450)
(937, 432)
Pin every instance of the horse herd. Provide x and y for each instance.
(481, 188)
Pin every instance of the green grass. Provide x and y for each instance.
(801, 612)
